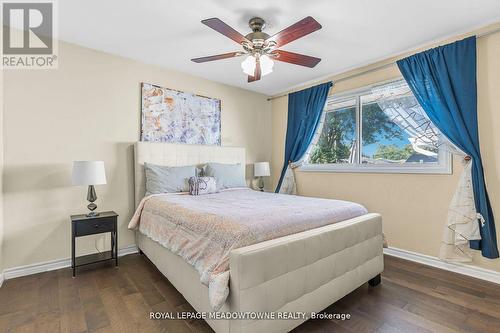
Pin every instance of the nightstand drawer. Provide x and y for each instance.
(96, 226)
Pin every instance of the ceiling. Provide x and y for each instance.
(355, 32)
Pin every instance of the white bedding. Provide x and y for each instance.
(204, 229)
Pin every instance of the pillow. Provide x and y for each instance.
(202, 185)
(164, 179)
(226, 175)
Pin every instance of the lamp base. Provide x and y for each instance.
(92, 196)
(261, 184)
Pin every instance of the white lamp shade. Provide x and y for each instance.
(248, 65)
(266, 65)
(261, 169)
(88, 173)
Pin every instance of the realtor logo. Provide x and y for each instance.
(28, 35)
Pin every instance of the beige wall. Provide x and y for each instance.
(1, 174)
(89, 109)
(413, 206)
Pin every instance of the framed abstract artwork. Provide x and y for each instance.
(169, 115)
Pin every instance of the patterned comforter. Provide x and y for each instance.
(204, 229)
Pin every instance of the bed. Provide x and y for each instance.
(302, 272)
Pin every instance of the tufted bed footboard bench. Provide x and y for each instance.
(304, 272)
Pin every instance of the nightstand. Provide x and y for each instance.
(83, 225)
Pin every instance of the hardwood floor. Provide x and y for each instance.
(411, 298)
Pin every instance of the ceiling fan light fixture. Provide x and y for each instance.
(248, 65)
(266, 65)
(261, 48)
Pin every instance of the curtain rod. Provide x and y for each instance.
(377, 68)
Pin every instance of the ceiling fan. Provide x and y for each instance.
(262, 48)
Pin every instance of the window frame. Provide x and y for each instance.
(444, 165)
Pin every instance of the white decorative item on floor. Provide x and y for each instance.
(260, 170)
(89, 173)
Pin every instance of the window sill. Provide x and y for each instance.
(408, 169)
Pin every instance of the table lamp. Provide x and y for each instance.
(89, 173)
(261, 169)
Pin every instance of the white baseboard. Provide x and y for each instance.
(469, 270)
(15, 272)
(473, 271)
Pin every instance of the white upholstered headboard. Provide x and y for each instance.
(172, 154)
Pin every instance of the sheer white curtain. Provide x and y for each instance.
(399, 104)
(462, 222)
(288, 185)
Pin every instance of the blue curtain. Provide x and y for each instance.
(304, 114)
(444, 82)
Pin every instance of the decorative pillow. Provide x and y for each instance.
(200, 171)
(164, 179)
(227, 175)
(202, 185)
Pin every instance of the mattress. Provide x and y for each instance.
(203, 230)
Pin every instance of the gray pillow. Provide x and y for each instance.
(226, 175)
(164, 179)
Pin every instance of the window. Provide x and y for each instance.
(377, 129)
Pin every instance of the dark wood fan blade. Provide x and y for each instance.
(217, 57)
(257, 72)
(296, 58)
(225, 29)
(295, 31)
